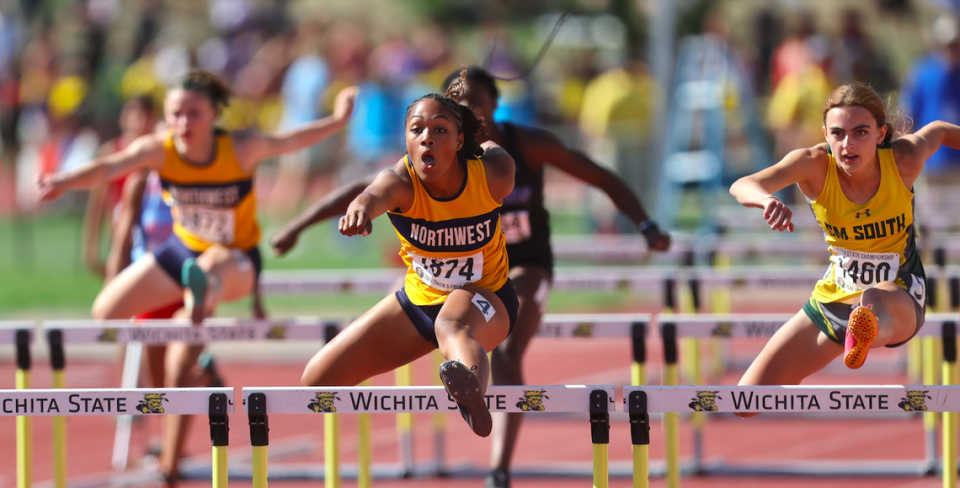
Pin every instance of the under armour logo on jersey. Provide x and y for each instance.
(866, 213)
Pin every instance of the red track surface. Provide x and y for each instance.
(543, 440)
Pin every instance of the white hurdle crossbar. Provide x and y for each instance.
(598, 401)
(641, 401)
(59, 403)
(135, 334)
(694, 326)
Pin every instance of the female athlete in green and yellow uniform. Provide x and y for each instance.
(860, 187)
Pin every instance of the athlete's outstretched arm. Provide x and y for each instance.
(335, 203)
(576, 164)
(913, 150)
(144, 152)
(256, 148)
(500, 168)
(390, 190)
(757, 190)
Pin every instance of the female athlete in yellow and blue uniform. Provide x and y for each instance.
(448, 244)
(207, 177)
(444, 200)
(859, 185)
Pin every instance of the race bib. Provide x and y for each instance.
(213, 225)
(448, 273)
(855, 271)
(516, 226)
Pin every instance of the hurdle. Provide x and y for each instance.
(20, 335)
(217, 403)
(259, 403)
(726, 326)
(576, 326)
(641, 401)
(155, 332)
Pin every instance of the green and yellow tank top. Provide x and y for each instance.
(869, 243)
(212, 203)
(451, 243)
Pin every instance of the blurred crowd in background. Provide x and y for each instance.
(67, 66)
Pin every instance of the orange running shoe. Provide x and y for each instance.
(861, 332)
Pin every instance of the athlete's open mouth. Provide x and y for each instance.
(849, 158)
(427, 159)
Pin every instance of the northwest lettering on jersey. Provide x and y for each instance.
(454, 235)
(212, 195)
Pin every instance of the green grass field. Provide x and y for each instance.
(42, 274)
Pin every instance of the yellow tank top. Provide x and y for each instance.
(451, 243)
(212, 203)
(869, 243)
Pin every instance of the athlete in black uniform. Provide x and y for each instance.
(525, 222)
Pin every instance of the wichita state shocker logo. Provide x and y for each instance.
(723, 329)
(706, 401)
(324, 402)
(152, 403)
(583, 329)
(108, 335)
(277, 332)
(532, 400)
(915, 401)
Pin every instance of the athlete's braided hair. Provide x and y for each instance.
(468, 122)
(208, 84)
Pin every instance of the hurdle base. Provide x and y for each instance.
(316, 471)
(617, 469)
(869, 468)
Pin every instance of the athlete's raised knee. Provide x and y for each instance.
(447, 328)
(102, 309)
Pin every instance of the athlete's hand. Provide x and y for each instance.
(48, 187)
(777, 214)
(284, 241)
(343, 105)
(356, 221)
(657, 240)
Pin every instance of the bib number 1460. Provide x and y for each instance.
(867, 273)
(855, 271)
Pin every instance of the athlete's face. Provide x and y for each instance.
(432, 140)
(481, 101)
(853, 136)
(189, 114)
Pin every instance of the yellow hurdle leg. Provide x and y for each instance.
(24, 440)
(331, 456)
(404, 376)
(601, 469)
(259, 466)
(219, 467)
(641, 466)
(672, 434)
(950, 419)
(638, 374)
(363, 447)
(439, 418)
(59, 439)
(914, 362)
(929, 378)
